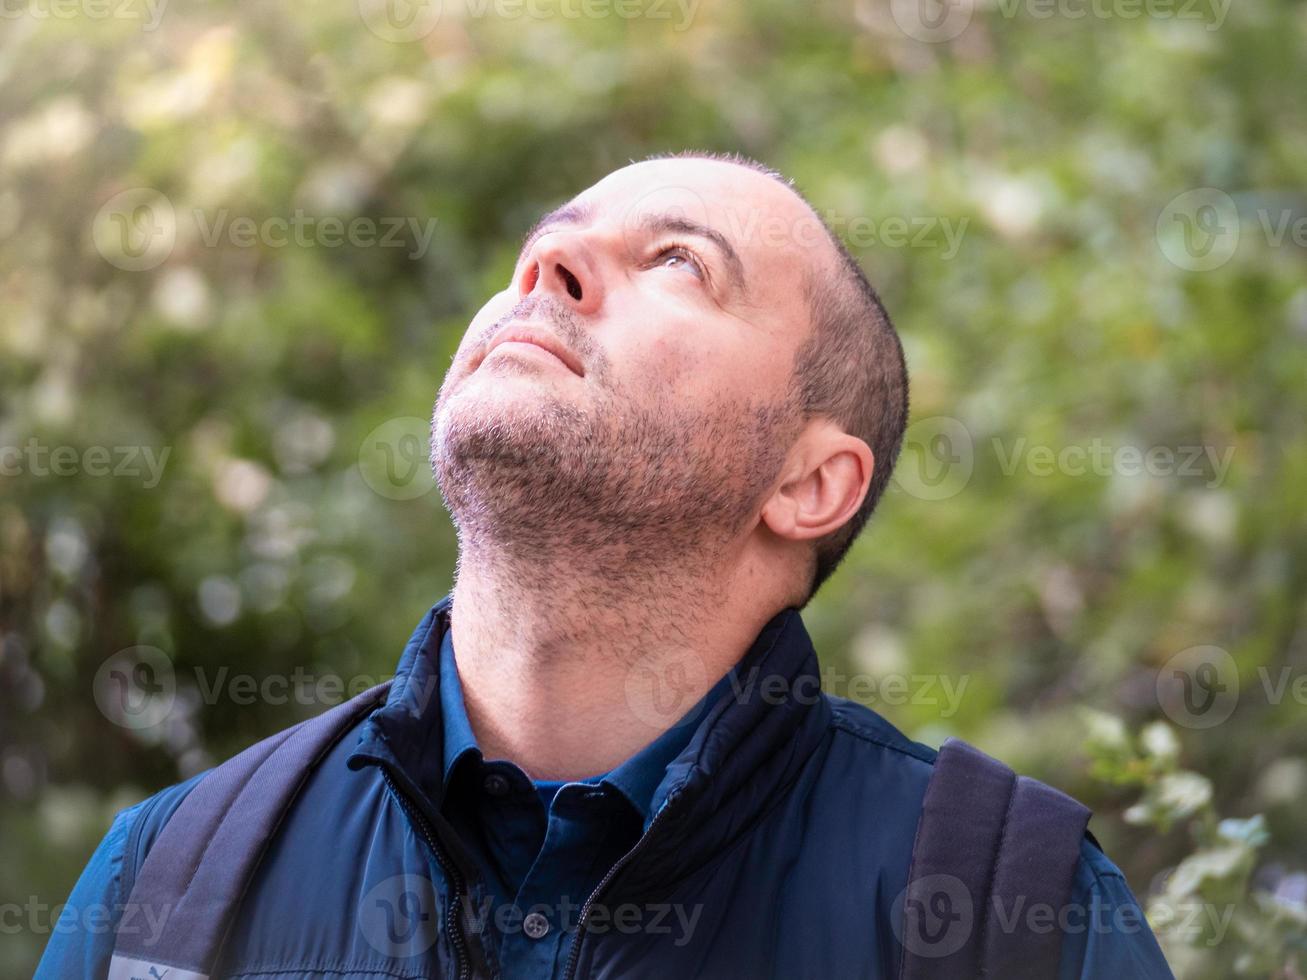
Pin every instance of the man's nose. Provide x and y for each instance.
(559, 266)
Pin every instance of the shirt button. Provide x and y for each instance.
(496, 785)
(535, 925)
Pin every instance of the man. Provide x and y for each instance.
(605, 754)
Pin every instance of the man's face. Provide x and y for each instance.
(675, 296)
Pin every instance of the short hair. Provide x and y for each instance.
(850, 369)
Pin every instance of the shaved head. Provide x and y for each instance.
(687, 360)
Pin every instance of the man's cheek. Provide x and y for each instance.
(684, 370)
(478, 331)
(496, 307)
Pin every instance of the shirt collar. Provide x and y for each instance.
(459, 740)
(637, 779)
(745, 749)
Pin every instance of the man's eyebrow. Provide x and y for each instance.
(658, 224)
(568, 214)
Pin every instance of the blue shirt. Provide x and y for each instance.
(544, 846)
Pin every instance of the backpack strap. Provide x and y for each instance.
(992, 868)
(197, 871)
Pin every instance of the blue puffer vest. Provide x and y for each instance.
(782, 839)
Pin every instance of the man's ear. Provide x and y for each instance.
(824, 483)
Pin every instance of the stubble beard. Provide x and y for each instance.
(612, 490)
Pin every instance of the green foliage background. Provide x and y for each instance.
(1061, 320)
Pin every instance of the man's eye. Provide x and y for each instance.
(677, 256)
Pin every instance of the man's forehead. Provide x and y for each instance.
(724, 192)
(704, 175)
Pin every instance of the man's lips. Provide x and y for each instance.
(520, 333)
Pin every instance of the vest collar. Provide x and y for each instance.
(748, 748)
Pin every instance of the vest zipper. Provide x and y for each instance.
(574, 954)
(456, 881)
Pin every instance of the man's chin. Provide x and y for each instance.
(508, 401)
(511, 383)
(507, 422)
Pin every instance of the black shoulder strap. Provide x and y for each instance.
(195, 875)
(991, 873)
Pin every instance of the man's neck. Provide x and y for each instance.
(569, 675)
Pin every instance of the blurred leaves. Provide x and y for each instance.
(1210, 917)
(273, 381)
